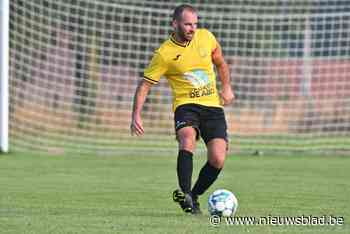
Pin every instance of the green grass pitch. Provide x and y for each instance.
(132, 194)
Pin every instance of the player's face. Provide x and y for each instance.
(186, 27)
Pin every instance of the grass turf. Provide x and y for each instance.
(132, 194)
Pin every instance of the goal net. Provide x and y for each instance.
(75, 64)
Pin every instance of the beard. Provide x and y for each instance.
(186, 36)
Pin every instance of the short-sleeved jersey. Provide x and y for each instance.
(188, 68)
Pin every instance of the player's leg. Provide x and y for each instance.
(186, 125)
(217, 150)
(214, 133)
(186, 137)
(212, 168)
(210, 171)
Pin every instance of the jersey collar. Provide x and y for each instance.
(172, 39)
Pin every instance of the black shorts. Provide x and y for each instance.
(209, 122)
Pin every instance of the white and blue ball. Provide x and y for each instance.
(222, 203)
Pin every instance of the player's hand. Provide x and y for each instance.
(227, 96)
(136, 126)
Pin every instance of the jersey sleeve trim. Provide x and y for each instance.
(150, 80)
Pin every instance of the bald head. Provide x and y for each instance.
(185, 22)
(179, 10)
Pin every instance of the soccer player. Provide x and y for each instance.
(186, 60)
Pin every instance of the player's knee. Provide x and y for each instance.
(217, 152)
(217, 161)
(187, 138)
(187, 143)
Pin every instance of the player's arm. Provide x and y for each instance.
(139, 99)
(226, 93)
(151, 76)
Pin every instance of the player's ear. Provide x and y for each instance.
(174, 24)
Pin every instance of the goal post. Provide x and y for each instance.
(4, 75)
(74, 67)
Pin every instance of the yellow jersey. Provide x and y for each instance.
(188, 68)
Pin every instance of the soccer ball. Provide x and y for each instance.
(223, 203)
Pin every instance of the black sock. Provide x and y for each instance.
(184, 170)
(206, 178)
